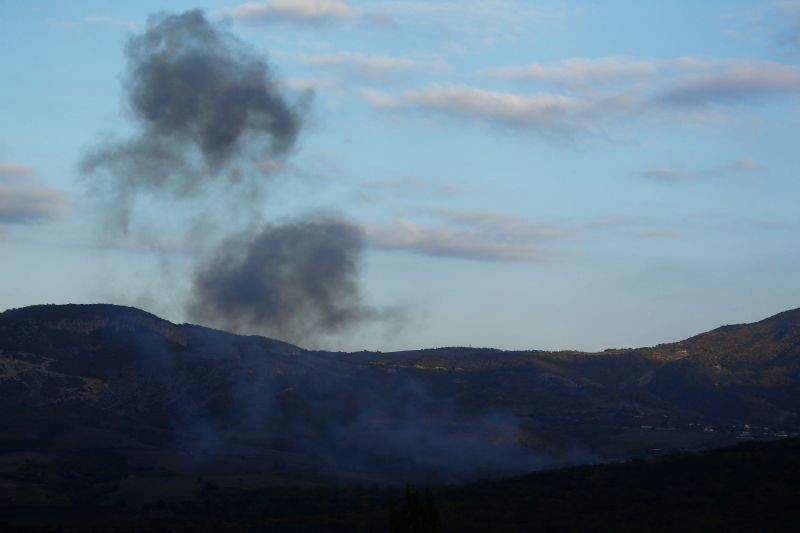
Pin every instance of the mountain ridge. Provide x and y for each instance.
(130, 384)
(790, 317)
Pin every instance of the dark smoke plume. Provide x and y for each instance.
(208, 114)
(294, 281)
(206, 107)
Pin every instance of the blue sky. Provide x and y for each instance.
(526, 174)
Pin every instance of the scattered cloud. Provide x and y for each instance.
(373, 66)
(499, 224)
(481, 23)
(441, 241)
(499, 236)
(414, 185)
(674, 175)
(624, 227)
(580, 72)
(589, 93)
(577, 71)
(96, 20)
(463, 234)
(716, 220)
(766, 23)
(746, 164)
(22, 203)
(788, 12)
(303, 12)
(15, 169)
(791, 36)
(145, 243)
(788, 6)
(666, 174)
(379, 19)
(544, 113)
(508, 13)
(303, 85)
(735, 81)
(654, 234)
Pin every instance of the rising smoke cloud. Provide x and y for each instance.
(205, 107)
(208, 110)
(294, 281)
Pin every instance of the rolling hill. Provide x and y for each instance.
(98, 402)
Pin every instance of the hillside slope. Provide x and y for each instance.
(183, 398)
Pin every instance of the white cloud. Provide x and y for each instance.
(746, 164)
(674, 175)
(500, 224)
(509, 11)
(303, 85)
(578, 71)
(545, 113)
(16, 169)
(491, 235)
(143, 244)
(733, 81)
(442, 241)
(22, 203)
(468, 234)
(681, 80)
(666, 174)
(373, 66)
(95, 20)
(788, 6)
(471, 22)
(415, 185)
(311, 12)
(580, 102)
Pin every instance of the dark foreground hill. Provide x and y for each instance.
(106, 405)
(748, 487)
